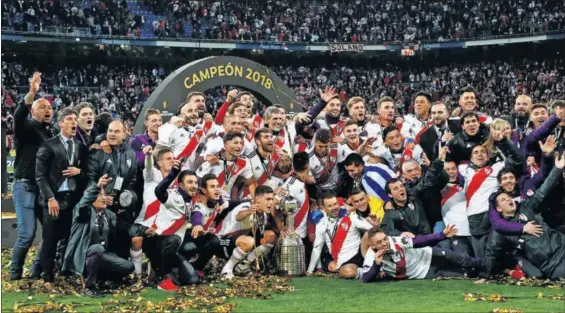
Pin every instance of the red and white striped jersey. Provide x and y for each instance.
(342, 236)
(227, 173)
(324, 169)
(403, 261)
(297, 189)
(215, 144)
(395, 160)
(263, 169)
(479, 185)
(151, 205)
(171, 219)
(454, 208)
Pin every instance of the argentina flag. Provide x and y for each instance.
(375, 177)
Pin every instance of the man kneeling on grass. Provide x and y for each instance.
(405, 258)
(90, 253)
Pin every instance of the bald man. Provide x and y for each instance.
(116, 173)
(519, 119)
(29, 134)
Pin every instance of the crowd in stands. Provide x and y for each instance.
(125, 89)
(297, 21)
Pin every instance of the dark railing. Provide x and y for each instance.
(85, 32)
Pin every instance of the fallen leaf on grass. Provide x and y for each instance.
(499, 310)
(471, 297)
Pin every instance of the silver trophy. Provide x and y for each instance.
(289, 251)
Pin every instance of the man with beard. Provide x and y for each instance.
(263, 160)
(59, 178)
(474, 133)
(468, 103)
(394, 257)
(341, 233)
(296, 187)
(385, 117)
(358, 113)
(165, 236)
(86, 131)
(323, 160)
(408, 216)
(117, 172)
(231, 168)
(396, 150)
(245, 98)
(329, 101)
(481, 181)
(545, 251)
(28, 134)
(440, 125)
(519, 119)
(417, 122)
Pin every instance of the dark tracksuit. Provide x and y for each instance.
(546, 252)
(409, 218)
(428, 188)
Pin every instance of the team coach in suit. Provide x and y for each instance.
(60, 178)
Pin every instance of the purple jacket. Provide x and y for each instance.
(137, 143)
(530, 143)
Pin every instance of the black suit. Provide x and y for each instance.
(52, 159)
(429, 138)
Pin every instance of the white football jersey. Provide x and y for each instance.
(403, 261)
(454, 208)
(395, 160)
(263, 169)
(326, 231)
(479, 185)
(297, 189)
(325, 169)
(412, 126)
(230, 225)
(227, 173)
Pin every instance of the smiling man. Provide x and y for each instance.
(474, 133)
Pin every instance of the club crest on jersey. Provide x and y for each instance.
(488, 170)
(128, 162)
(344, 225)
(411, 206)
(529, 193)
(523, 217)
(235, 168)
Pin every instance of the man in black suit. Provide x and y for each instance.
(429, 138)
(116, 172)
(61, 184)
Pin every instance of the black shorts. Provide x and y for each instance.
(227, 244)
(357, 259)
